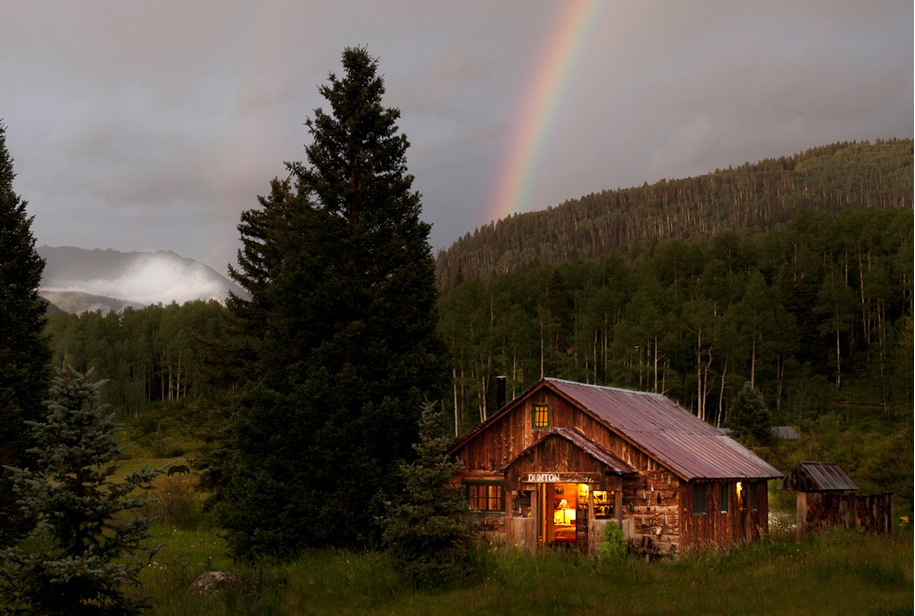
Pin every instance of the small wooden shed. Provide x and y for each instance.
(825, 497)
(563, 460)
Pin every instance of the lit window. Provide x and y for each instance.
(723, 492)
(741, 496)
(485, 495)
(700, 499)
(540, 417)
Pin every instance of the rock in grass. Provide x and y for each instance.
(211, 582)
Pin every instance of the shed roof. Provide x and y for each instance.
(671, 434)
(817, 477)
(595, 450)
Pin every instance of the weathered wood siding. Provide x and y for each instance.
(714, 527)
(872, 513)
(556, 454)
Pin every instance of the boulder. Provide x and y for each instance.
(211, 582)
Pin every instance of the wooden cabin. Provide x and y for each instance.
(557, 464)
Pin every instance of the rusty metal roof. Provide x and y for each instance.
(670, 434)
(595, 450)
(817, 477)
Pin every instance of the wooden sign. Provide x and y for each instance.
(559, 478)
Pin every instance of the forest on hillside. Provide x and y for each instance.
(751, 196)
(800, 312)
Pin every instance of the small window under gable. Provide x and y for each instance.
(540, 417)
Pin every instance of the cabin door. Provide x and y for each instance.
(562, 514)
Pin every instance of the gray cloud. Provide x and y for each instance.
(152, 126)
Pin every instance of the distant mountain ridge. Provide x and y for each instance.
(78, 279)
(750, 197)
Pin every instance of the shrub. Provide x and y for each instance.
(176, 504)
(613, 546)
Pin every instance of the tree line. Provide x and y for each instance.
(760, 195)
(800, 313)
(149, 355)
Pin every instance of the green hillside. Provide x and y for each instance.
(751, 196)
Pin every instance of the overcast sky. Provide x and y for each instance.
(152, 125)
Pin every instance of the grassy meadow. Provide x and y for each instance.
(839, 572)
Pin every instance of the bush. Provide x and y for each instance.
(613, 547)
(176, 504)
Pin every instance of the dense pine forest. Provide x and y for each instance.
(792, 275)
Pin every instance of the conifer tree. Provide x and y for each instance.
(24, 352)
(88, 553)
(341, 322)
(428, 533)
(749, 416)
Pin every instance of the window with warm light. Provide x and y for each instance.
(700, 499)
(723, 496)
(540, 417)
(486, 496)
(741, 496)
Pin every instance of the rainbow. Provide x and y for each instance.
(541, 107)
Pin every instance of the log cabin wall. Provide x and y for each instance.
(651, 505)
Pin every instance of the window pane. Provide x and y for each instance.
(485, 496)
(724, 497)
(700, 499)
(540, 417)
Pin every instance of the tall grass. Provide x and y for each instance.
(836, 572)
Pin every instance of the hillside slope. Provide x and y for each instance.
(77, 279)
(751, 196)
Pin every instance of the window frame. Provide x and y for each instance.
(724, 495)
(487, 499)
(541, 410)
(700, 503)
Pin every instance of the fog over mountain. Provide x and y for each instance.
(133, 278)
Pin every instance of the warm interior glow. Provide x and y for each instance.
(564, 517)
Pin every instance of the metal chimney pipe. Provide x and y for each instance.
(500, 391)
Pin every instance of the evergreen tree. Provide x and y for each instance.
(24, 352)
(87, 551)
(429, 534)
(341, 322)
(749, 416)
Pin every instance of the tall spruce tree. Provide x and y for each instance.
(24, 352)
(341, 324)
